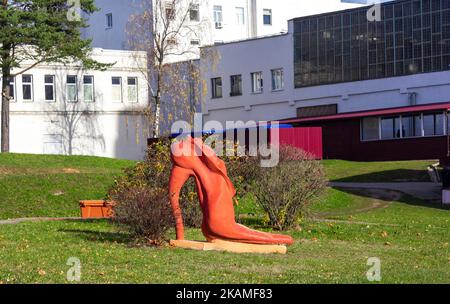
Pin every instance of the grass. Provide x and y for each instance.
(44, 185)
(411, 242)
(409, 236)
(396, 171)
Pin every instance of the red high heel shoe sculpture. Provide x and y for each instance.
(191, 157)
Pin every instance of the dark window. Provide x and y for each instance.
(49, 87)
(412, 37)
(27, 87)
(109, 20)
(267, 16)
(216, 85)
(194, 13)
(170, 11)
(236, 85)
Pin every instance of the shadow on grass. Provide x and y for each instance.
(398, 175)
(394, 196)
(100, 236)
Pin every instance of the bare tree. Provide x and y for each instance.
(164, 29)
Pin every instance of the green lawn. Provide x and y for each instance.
(410, 237)
(43, 185)
(399, 171)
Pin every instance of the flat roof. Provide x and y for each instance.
(379, 112)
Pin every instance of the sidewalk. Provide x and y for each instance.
(425, 191)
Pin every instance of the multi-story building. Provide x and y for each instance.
(379, 88)
(58, 109)
(213, 21)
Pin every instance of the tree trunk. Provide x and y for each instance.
(156, 119)
(6, 73)
(5, 111)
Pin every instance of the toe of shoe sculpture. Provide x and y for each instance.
(192, 158)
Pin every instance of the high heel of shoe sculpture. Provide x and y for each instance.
(191, 157)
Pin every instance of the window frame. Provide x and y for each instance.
(70, 84)
(233, 84)
(445, 126)
(30, 84)
(269, 15)
(214, 94)
(238, 10)
(12, 88)
(254, 81)
(194, 7)
(218, 16)
(120, 86)
(136, 86)
(272, 72)
(109, 21)
(47, 84)
(92, 85)
(169, 11)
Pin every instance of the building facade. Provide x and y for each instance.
(59, 109)
(338, 63)
(209, 21)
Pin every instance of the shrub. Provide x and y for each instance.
(145, 212)
(154, 173)
(284, 192)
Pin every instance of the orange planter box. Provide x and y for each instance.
(96, 209)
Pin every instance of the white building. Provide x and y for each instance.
(60, 109)
(261, 79)
(213, 21)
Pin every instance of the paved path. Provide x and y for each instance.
(37, 219)
(425, 191)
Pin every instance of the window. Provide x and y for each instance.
(417, 125)
(267, 16)
(88, 88)
(407, 40)
(71, 88)
(370, 128)
(132, 89)
(236, 85)
(217, 11)
(216, 85)
(390, 127)
(49, 87)
(170, 11)
(240, 19)
(27, 87)
(116, 89)
(194, 12)
(433, 124)
(277, 80)
(12, 89)
(195, 42)
(109, 21)
(257, 82)
(412, 126)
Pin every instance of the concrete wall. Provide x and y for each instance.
(100, 128)
(115, 38)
